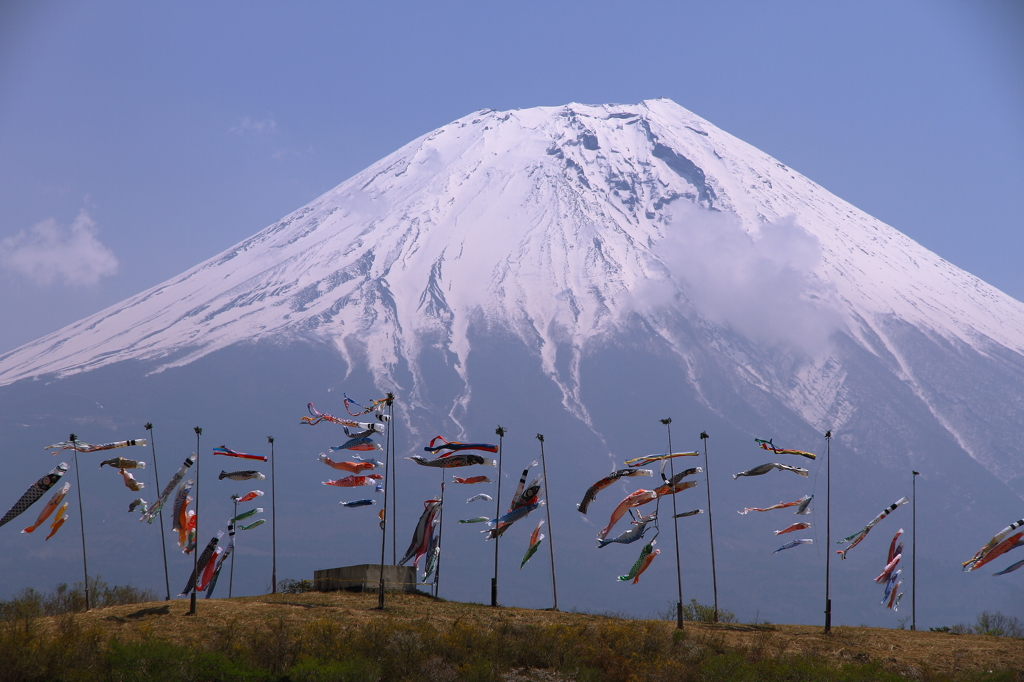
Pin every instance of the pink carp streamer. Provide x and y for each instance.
(634, 499)
(794, 527)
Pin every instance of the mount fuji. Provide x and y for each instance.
(582, 271)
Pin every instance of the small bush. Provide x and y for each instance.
(289, 586)
(998, 624)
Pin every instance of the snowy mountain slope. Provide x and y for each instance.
(568, 226)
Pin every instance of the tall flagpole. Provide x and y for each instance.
(828, 528)
(497, 515)
(81, 521)
(273, 521)
(388, 471)
(440, 528)
(711, 526)
(913, 558)
(551, 533)
(389, 445)
(163, 540)
(195, 550)
(675, 524)
(231, 534)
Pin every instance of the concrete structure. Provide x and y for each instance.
(365, 578)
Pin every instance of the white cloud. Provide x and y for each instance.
(762, 286)
(49, 252)
(248, 126)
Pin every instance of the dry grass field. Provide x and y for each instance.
(286, 618)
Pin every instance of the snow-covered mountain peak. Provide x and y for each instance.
(562, 225)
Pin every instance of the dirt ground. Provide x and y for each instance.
(916, 653)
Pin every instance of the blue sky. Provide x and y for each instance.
(137, 139)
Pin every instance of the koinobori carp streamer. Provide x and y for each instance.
(82, 446)
(647, 555)
(351, 467)
(122, 463)
(35, 491)
(149, 515)
(634, 499)
(765, 468)
(768, 445)
(857, 537)
(996, 539)
(241, 475)
(228, 452)
(201, 562)
(317, 417)
(651, 459)
(420, 538)
(635, 533)
(794, 543)
(452, 461)
(802, 502)
(535, 539)
(593, 490)
(453, 446)
(50, 506)
(355, 481)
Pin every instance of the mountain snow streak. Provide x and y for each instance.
(562, 225)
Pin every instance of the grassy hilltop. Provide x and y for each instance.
(341, 636)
